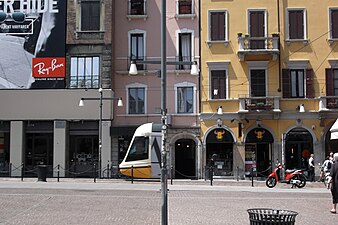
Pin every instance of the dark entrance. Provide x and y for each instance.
(185, 159)
(39, 147)
(258, 152)
(298, 147)
(220, 145)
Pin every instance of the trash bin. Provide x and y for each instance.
(42, 173)
(264, 216)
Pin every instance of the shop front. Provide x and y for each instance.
(219, 152)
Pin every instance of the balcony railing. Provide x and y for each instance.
(184, 6)
(258, 45)
(328, 103)
(258, 104)
(137, 7)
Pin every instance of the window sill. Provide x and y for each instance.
(91, 34)
(184, 16)
(137, 17)
(225, 42)
(289, 41)
(332, 40)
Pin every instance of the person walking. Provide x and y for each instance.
(325, 168)
(333, 183)
(312, 168)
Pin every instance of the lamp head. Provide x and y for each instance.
(220, 110)
(81, 103)
(133, 68)
(194, 69)
(301, 108)
(119, 102)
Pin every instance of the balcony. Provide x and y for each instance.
(328, 103)
(259, 104)
(249, 47)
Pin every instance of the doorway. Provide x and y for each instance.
(185, 159)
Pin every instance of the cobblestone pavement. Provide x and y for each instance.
(120, 202)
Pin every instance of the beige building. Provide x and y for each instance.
(272, 67)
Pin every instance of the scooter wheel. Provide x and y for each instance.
(302, 180)
(271, 182)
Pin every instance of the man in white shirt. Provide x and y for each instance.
(312, 168)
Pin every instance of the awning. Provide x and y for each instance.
(334, 130)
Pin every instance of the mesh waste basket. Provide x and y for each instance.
(264, 216)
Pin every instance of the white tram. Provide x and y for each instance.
(143, 156)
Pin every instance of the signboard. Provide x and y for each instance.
(32, 43)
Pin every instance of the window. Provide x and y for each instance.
(257, 83)
(136, 100)
(84, 72)
(296, 24)
(137, 7)
(184, 6)
(137, 48)
(185, 100)
(297, 83)
(257, 29)
(218, 84)
(184, 50)
(217, 31)
(139, 149)
(90, 15)
(334, 23)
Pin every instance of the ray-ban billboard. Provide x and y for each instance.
(32, 43)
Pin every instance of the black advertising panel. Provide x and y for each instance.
(32, 43)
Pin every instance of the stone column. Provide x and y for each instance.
(60, 140)
(16, 147)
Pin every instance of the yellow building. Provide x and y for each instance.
(272, 68)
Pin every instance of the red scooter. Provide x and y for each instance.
(295, 177)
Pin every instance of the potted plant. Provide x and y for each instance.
(276, 34)
(239, 34)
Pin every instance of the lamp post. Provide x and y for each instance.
(101, 98)
(164, 63)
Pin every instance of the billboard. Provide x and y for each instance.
(33, 44)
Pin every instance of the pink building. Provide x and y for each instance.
(137, 36)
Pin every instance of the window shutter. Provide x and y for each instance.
(329, 82)
(286, 83)
(310, 89)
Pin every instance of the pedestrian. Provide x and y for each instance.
(333, 183)
(325, 168)
(312, 168)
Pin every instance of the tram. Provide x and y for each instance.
(143, 156)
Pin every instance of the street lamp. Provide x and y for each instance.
(101, 98)
(164, 63)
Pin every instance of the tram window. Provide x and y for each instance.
(139, 149)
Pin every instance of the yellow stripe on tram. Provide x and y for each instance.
(138, 172)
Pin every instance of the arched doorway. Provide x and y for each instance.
(298, 147)
(219, 152)
(185, 159)
(258, 152)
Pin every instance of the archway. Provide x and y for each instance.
(219, 151)
(185, 159)
(258, 151)
(298, 147)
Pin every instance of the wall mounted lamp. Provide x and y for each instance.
(301, 108)
(219, 110)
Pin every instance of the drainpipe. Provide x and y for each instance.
(279, 58)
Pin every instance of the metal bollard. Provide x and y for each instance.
(10, 170)
(94, 173)
(132, 174)
(172, 175)
(211, 172)
(237, 174)
(108, 171)
(252, 182)
(58, 170)
(22, 171)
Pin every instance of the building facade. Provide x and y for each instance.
(271, 67)
(41, 122)
(138, 38)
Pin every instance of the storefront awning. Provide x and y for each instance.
(334, 130)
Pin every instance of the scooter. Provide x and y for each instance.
(295, 177)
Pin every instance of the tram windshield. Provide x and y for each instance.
(139, 149)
